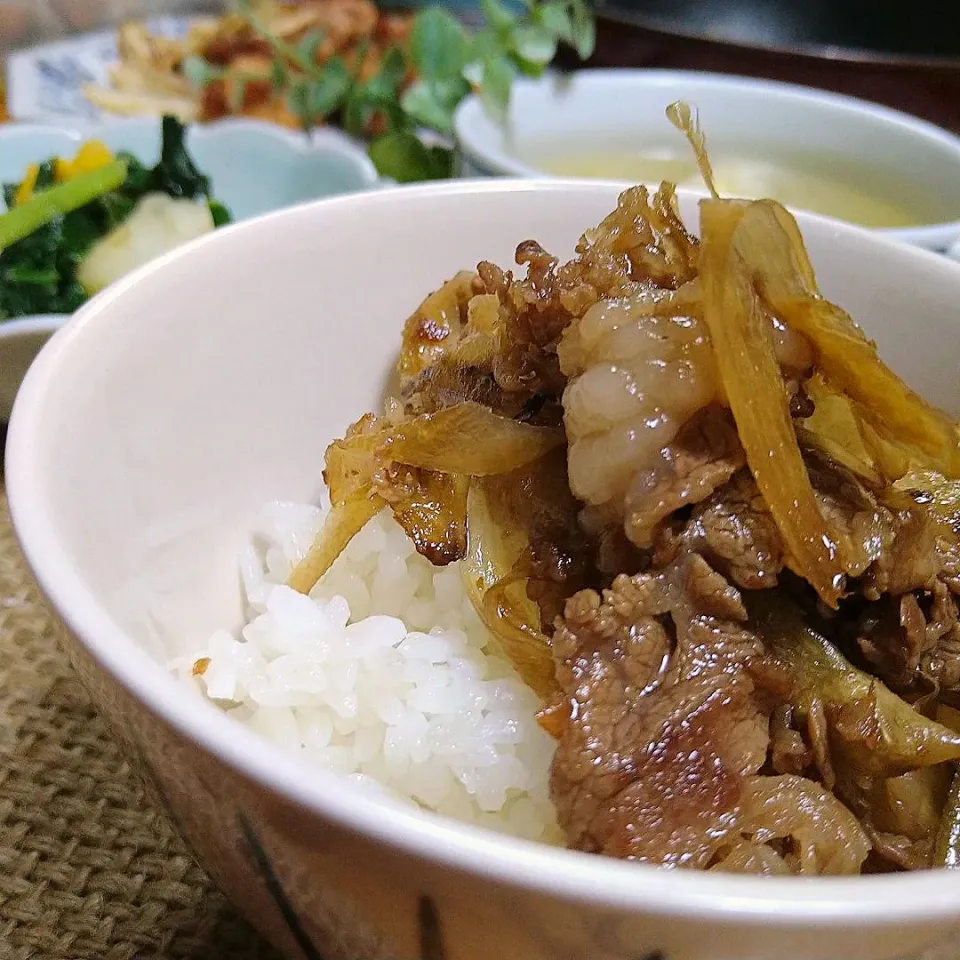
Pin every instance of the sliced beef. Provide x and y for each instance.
(913, 642)
(734, 531)
(669, 732)
(914, 558)
(666, 719)
(704, 456)
(903, 565)
(864, 527)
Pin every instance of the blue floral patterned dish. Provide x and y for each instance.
(46, 82)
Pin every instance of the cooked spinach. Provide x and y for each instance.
(221, 215)
(38, 274)
(176, 174)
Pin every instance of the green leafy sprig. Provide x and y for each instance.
(449, 62)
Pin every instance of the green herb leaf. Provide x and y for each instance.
(176, 174)
(298, 101)
(405, 158)
(450, 92)
(481, 46)
(199, 72)
(309, 44)
(498, 74)
(46, 175)
(384, 85)
(356, 114)
(442, 159)
(32, 276)
(422, 105)
(221, 214)
(534, 44)
(117, 205)
(138, 175)
(527, 68)
(584, 29)
(393, 68)
(438, 45)
(554, 17)
(497, 15)
(380, 94)
(328, 91)
(278, 74)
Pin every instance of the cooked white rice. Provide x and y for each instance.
(382, 675)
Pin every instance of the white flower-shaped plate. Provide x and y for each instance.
(254, 166)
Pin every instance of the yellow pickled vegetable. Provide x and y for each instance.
(93, 155)
(27, 185)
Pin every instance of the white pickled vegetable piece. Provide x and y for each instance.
(158, 224)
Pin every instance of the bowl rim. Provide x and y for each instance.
(810, 50)
(32, 324)
(878, 900)
(471, 125)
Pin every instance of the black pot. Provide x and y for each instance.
(921, 32)
(903, 54)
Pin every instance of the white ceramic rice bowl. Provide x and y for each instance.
(150, 431)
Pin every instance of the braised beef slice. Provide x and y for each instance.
(913, 641)
(904, 568)
(734, 532)
(704, 456)
(665, 753)
(666, 720)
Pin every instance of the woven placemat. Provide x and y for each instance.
(88, 867)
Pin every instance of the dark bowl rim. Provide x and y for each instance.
(854, 56)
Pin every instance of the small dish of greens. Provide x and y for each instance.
(80, 208)
(74, 225)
